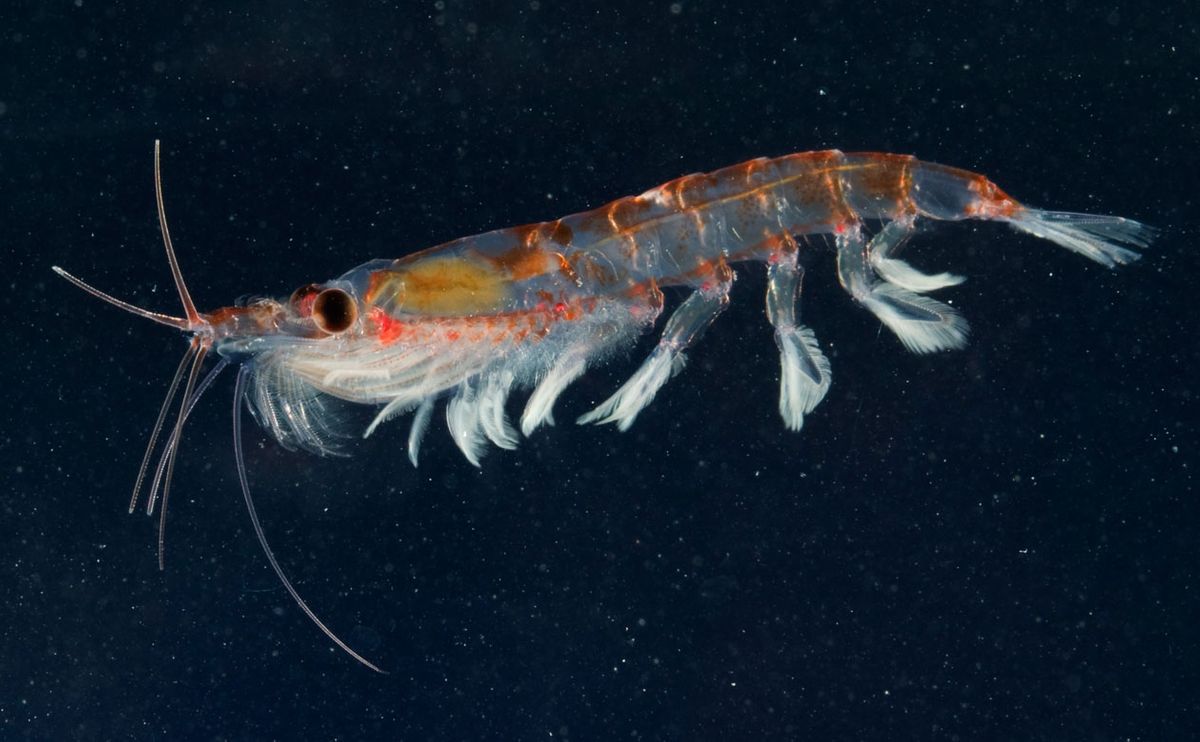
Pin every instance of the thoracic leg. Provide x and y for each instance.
(805, 377)
(922, 324)
(685, 327)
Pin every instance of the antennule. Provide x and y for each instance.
(179, 323)
(189, 309)
(192, 320)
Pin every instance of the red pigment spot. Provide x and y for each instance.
(303, 299)
(560, 307)
(387, 327)
(840, 229)
(453, 335)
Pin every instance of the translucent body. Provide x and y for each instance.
(674, 233)
(536, 305)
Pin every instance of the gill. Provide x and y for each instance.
(203, 335)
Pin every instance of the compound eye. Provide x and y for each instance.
(334, 311)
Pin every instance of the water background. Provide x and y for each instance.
(998, 543)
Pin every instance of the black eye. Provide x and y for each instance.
(334, 311)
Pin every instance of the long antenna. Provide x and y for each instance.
(239, 393)
(189, 309)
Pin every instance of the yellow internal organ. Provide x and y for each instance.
(446, 286)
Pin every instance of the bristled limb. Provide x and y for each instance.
(686, 325)
(804, 369)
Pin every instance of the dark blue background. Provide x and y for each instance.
(998, 543)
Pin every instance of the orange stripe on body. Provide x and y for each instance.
(535, 323)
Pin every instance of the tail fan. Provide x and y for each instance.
(1105, 239)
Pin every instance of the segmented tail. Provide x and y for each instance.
(1104, 239)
